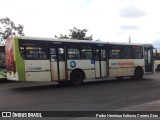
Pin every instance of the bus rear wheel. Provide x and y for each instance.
(76, 78)
(138, 73)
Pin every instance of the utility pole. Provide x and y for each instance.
(129, 39)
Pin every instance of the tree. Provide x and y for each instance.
(62, 36)
(76, 33)
(8, 28)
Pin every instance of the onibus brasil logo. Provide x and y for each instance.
(21, 114)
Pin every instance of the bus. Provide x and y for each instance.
(73, 61)
(2, 62)
(157, 60)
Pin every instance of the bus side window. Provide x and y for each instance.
(96, 54)
(115, 52)
(53, 56)
(86, 52)
(126, 52)
(61, 54)
(32, 50)
(137, 52)
(103, 55)
(73, 53)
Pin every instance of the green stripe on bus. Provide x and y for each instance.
(20, 66)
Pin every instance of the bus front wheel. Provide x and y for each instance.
(76, 78)
(138, 73)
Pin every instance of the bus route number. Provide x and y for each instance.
(35, 68)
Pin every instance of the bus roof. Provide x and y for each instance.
(78, 41)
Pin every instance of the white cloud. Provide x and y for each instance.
(105, 19)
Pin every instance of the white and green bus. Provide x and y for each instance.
(72, 61)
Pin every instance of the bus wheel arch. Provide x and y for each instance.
(77, 76)
(158, 68)
(138, 73)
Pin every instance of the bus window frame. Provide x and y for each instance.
(137, 52)
(75, 56)
(89, 48)
(126, 52)
(34, 50)
(115, 49)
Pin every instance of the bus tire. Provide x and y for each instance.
(138, 73)
(76, 78)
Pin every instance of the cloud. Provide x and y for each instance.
(106, 19)
(131, 11)
(129, 27)
(77, 3)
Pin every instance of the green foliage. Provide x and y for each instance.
(76, 33)
(8, 28)
(62, 37)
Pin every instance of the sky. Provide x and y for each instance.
(106, 20)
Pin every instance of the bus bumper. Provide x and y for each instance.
(12, 76)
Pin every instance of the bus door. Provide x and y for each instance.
(148, 56)
(58, 64)
(100, 62)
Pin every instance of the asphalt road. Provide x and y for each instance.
(99, 95)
